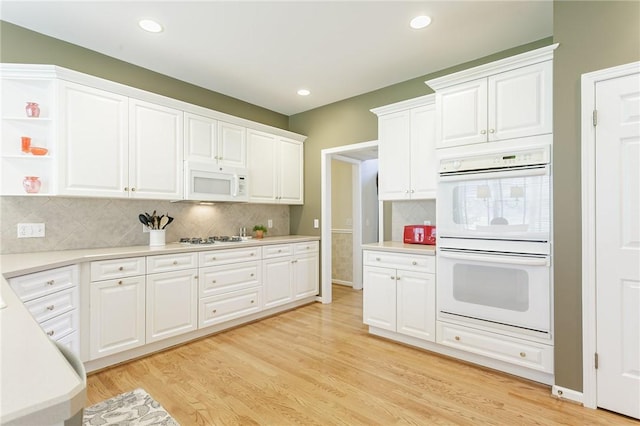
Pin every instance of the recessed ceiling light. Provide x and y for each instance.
(420, 22)
(304, 92)
(150, 25)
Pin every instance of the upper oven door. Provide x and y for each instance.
(511, 204)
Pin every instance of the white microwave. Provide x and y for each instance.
(206, 182)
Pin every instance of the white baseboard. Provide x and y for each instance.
(564, 393)
(342, 282)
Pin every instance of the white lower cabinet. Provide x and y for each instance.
(228, 306)
(399, 293)
(290, 272)
(117, 315)
(53, 299)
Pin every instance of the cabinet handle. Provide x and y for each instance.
(121, 268)
(252, 301)
(51, 282)
(397, 278)
(50, 307)
(483, 132)
(195, 277)
(378, 259)
(412, 191)
(120, 282)
(50, 332)
(252, 254)
(457, 338)
(213, 281)
(414, 263)
(133, 189)
(175, 262)
(492, 131)
(251, 275)
(126, 189)
(213, 258)
(392, 277)
(523, 354)
(214, 311)
(406, 191)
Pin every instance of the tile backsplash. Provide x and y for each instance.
(410, 213)
(77, 223)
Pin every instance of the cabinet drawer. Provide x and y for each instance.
(227, 278)
(515, 351)
(217, 309)
(415, 262)
(117, 268)
(222, 257)
(61, 325)
(307, 247)
(277, 251)
(171, 262)
(52, 305)
(28, 287)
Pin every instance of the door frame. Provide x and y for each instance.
(341, 153)
(588, 176)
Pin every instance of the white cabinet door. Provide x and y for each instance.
(423, 162)
(306, 276)
(462, 114)
(155, 151)
(379, 297)
(200, 138)
(172, 304)
(262, 157)
(520, 102)
(117, 316)
(93, 142)
(278, 281)
(232, 145)
(290, 172)
(416, 305)
(394, 156)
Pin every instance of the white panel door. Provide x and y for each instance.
(155, 151)
(93, 142)
(394, 157)
(172, 304)
(306, 276)
(290, 168)
(424, 166)
(416, 305)
(278, 281)
(618, 244)
(232, 145)
(200, 135)
(261, 161)
(379, 297)
(461, 112)
(521, 102)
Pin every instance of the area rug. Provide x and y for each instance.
(128, 409)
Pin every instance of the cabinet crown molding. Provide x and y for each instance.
(404, 105)
(523, 59)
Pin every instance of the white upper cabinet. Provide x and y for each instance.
(93, 132)
(215, 142)
(407, 163)
(155, 151)
(275, 168)
(504, 100)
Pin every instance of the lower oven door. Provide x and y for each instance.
(507, 289)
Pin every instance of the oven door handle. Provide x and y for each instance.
(496, 174)
(511, 260)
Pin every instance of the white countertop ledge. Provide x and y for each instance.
(399, 247)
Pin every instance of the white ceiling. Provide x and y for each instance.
(263, 52)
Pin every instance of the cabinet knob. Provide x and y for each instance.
(213, 258)
(523, 354)
(51, 282)
(251, 275)
(406, 191)
(483, 132)
(392, 277)
(126, 188)
(214, 311)
(120, 282)
(414, 263)
(378, 259)
(252, 254)
(252, 301)
(213, 281)
(50, 307)
(175, 262)
(492, 131)
(50, 332)
(121, 268)
(195, 277)
(133, 189)
(457, 338)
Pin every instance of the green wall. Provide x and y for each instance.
(19, 45)
(592, 36)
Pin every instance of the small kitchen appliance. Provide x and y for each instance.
(420, 234)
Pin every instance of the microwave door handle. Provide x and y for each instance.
(234, 184)
(515, 260)
(534, 171)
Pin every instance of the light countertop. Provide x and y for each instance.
(399, 247)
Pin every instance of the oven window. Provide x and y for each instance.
(211, 186)
(518, 204)
(497, 287)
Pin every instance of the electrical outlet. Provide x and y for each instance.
(269, 223)
(30, 230)
(316, 223)
(145, 228)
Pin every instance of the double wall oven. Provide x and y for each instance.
(494, 240)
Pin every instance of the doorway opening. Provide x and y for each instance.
(364, 225)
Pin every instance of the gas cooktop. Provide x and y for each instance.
(211, 240)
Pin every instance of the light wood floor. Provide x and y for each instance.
(317, 365)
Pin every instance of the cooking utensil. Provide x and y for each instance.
(170, 219)
(143, 219)
(164, 220)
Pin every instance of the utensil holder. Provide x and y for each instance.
(156, 237)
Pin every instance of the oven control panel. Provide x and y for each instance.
(527, 157)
